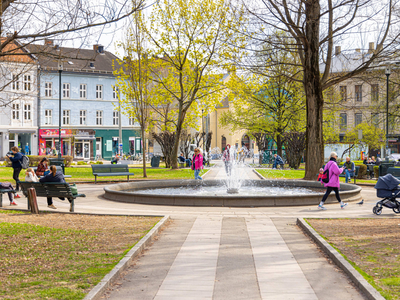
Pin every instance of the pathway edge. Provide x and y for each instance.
(341, 262)
(259, 175)
(114, 274)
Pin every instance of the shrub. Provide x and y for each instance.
(376, 171)
(82, 163)
(362, 171)
(91, 163)
(99, 162)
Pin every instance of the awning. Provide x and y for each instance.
(87, 137)
(55, 136)
(22, 131)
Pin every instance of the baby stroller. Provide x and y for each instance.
(387, 188)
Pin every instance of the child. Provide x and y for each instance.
(31, 176)
(321, 172)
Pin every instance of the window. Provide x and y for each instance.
(343, 93)
(15, 111)
(375, 92)
(343, 122)
(15, 83)
(99, 117)
(375, 119)
(66, 90)
(48, 120)
(99, 91)
(82, 91)
(115, 117)
(358, 93)
(27, 112)
(82, 117)
(48, 89)
(66, 114)
(131, 121)
(115, 92)
(27, 82)
(357, 119)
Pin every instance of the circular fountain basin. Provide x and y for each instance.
(214, 193)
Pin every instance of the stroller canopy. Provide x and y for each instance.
(387, 182)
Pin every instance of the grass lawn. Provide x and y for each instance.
(298, 174)
(85, 174)
(372, 246)
(62, 256)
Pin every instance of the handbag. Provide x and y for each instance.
(74, 189)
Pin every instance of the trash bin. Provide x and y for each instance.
(384, 166)
(155, 161)
(58, 162)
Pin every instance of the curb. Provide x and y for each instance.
(207, 172)
(114, 274)
(341, 262)
(259, 175)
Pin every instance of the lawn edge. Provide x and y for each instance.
(98, 291)
(341, 262)
(259, 175)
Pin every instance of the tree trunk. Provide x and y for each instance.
(313, 90)
(279, 144)
(144, 154)
(175, 149)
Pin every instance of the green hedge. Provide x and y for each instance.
(362, 171)
(376, 171)
(35, 159)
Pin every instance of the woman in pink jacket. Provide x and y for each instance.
(333, 184)
(197, 163)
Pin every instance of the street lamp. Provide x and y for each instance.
(60, 69)
(387, 73)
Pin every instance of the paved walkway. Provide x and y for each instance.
(228, 253)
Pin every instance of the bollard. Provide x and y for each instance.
(33, 201)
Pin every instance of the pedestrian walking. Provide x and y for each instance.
(30, 176)
(16, 164)
(227, 159)
(8, 186)
(54, 176)
(333, 184)
(197, 163)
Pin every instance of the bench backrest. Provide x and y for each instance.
(110, 168)
(48, 189)
(394, 171)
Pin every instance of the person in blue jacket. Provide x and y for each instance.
(278, 161)
(16, 164)
(53, 176)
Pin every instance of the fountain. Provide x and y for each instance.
(231, 191)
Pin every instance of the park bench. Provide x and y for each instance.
(59, 169)
(357, 168)
(110, 170)
(394, 171)
(51, 189)
(4, 191)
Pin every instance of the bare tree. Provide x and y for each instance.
(166, 140)
(313, 27)
(295, 144)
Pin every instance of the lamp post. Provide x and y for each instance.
(387, 73)
(60, 69)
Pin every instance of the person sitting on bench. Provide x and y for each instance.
(8, 186)
(278, 161)
(54, 176)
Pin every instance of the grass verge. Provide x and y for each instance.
(58, 256)
(371, 246)
(85, 174)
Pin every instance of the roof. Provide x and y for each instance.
(346, 62)
(13, 52)
(74, 59)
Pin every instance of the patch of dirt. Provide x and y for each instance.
(372, 244)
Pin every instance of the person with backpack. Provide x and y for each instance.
(197, 163)
(16, 165)
(331, 181)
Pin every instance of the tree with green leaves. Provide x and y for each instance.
(193, 39)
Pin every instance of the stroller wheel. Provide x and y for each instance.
(396, 210)
(377, 210)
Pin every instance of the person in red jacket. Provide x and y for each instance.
(197, 163)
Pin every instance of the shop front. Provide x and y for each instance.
(83, 144)
(49, 141)
(24, 139)
(108, 143)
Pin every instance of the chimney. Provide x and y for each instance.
(48, 42)
(338, 50)
(371, 48)
(358, 50)
(100, 49)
